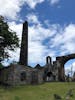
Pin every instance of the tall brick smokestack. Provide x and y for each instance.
(24, 45)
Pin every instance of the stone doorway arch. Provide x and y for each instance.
(60, 64)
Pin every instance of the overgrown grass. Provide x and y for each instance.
(37, 92)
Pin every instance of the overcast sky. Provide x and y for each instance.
(51, 27)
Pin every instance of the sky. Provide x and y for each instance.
(51, 28)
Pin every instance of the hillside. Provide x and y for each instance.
(37, 92)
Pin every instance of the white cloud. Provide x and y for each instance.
(73, 65)
(36, 52)
(33, 3)
(52, 2)
(16, 28)
(32, 18)
(37, 31)
(38, 34)
(65, 40)
(11, 8)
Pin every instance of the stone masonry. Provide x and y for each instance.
(24, 45)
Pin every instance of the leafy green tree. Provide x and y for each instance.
(1, 66)
(8, 39)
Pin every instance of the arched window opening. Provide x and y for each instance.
(23, 76)
(49, 74)
(69, 68)
(50, 77)
(48, 60)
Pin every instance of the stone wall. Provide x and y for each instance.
(6, 75)
(19, 75)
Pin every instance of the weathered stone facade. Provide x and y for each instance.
(73, 77)
(20, 74)
(17, 74)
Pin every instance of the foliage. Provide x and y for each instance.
(1, 66)
(8, 39)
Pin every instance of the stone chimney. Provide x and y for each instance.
(24, 45)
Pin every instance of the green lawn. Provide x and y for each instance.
(37, 92)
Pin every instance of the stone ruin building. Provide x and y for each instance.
(19, 74)
(73, 77)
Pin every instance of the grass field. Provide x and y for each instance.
(37, 92)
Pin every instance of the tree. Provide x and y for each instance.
(8, 39)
